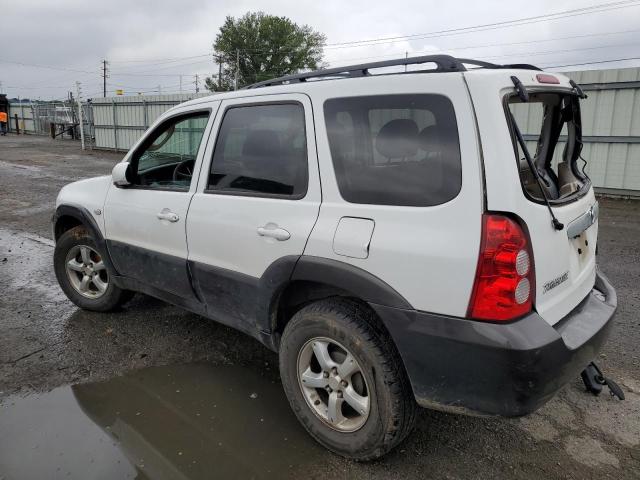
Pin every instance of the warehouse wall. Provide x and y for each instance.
(120, 121)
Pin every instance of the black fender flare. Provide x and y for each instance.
(349, 278)
(82, 215)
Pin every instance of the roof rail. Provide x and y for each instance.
(444, 63)
(482, 64)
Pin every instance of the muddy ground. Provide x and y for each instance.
(155, 392)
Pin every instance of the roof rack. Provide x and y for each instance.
(444, 63)
(482, 64)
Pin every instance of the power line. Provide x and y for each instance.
(161, 61)
(382, 40)
(492, 26)
(529, 54)
(591, 63)
(140, 72)
(471, 29)
(489, 45)
(45, 66)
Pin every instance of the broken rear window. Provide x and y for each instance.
(550, 124)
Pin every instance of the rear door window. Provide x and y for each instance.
(395, 149)
(261, 150)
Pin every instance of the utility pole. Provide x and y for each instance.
(235, 83)
(159, 89)
(219, 60)
(197, 86)
(180, 83)
(79, 100)
(104, 78)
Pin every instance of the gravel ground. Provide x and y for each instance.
(47, 344)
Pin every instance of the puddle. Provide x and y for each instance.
(183, 422)
(27, 262)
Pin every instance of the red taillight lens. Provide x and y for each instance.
(503, 288)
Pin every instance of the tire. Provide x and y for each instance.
(68, 262)
(356, 329)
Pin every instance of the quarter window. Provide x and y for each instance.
(167, 158)
(261, 150)
(395, 149)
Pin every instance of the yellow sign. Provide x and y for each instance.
(119, 92)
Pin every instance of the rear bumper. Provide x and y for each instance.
(472, 367)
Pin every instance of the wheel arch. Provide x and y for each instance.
(68, 216)
(317, 278)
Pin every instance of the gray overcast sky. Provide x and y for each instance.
(137, 36)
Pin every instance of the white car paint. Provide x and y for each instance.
(427, 254)
(223, 229)
(554, 253)
(90, 194)
(132, 216)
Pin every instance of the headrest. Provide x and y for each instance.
(434, 138)
(261, 143)
(398, 139)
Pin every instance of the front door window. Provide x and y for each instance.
(166, 159)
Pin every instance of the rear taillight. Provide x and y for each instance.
(503, 288)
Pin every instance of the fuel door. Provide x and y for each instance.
(353, 237)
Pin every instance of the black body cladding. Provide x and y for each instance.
(466, 366)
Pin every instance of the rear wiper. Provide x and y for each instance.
(578, 90)
(554, 221)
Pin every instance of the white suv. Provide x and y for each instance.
(397, 238)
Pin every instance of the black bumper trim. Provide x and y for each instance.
(466, 366)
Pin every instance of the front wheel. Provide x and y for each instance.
(344, 379)
(83, 274)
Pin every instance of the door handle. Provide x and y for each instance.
(271, 230)
(167, 214)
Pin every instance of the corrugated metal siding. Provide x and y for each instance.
(610, 127)
(25, 116)
(120, 121)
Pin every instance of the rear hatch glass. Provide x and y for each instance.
(550, 123)
(564, 259)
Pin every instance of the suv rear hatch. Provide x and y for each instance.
(550, 124)
(564, 259)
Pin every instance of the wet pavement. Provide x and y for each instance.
(187, 421)
(153, 391)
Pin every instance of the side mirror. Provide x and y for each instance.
(121, 174)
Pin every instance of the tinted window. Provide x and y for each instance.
(261, 149)
(395, 149)
(167, 157)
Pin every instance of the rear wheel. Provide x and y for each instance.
(83, 274)
(344, 379)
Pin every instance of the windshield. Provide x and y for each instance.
(550, 124)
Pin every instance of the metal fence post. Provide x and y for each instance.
(36, 120)
(115, 127)
(145, 114)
